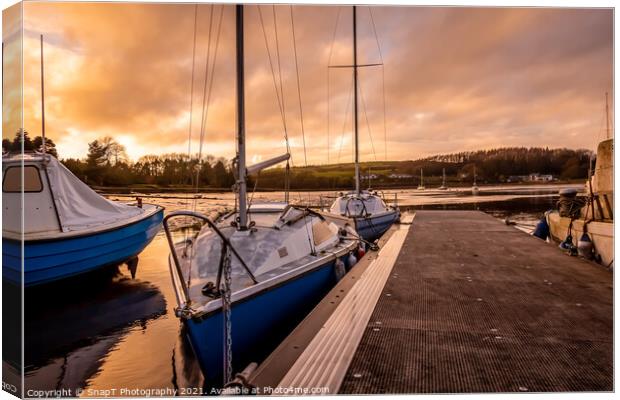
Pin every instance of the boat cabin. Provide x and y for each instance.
(351, 205)
(55, 202)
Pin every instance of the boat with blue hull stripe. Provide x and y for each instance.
(247, 278)
(49, 260)
(373, 227)
(259, 322)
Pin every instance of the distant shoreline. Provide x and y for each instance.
(149, 189)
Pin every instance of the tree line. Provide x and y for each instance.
(497, 165)
(29, 144)
(107, 164)
(491, 166)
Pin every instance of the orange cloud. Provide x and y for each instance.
(455, 78)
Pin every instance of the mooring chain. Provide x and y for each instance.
(226, 308)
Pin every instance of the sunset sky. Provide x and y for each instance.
(455, 78)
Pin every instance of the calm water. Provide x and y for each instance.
(110, 330)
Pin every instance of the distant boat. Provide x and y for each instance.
(474, 189)
(370, 213)
(257, 270)
(68, 228)
(443, 182)
(421, 186)
(587, 227)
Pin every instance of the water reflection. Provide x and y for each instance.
(72, 325)
(218, 202)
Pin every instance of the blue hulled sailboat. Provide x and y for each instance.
(246, 279)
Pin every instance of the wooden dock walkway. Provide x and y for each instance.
(470, 305)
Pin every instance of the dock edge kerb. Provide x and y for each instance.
(325, 361)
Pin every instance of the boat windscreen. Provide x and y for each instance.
(12, 180)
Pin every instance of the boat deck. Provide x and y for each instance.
(460, 303)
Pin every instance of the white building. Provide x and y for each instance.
(541, 178)
(400, 176)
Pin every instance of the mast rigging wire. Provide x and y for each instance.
(328, 115)
(273, 75)
(204, 90)
(212, 73)
(367, 121)
(346, 115)
(374, 29)
(301, 114)
(191, 95)
(328, 79)
(287, 174)
(208, 88)
(279, 95)
(384, 112)
(206, 99)
(189, 141)
(275, 29)
(191, 86)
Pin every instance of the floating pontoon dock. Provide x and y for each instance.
(454, 302)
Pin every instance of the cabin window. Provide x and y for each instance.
(11, 183)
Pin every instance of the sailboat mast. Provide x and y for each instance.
(355, 129)
(241, 183)
(42, 100)
(607, 113)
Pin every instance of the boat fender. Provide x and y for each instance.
(241, 385)
(542, 229)
(339, 269)
(361, 250)
(352, 260)
(584, 246)
(568, 245)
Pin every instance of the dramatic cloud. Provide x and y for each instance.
(455, 78)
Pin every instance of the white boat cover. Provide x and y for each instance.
(365, 204)
(79, 207)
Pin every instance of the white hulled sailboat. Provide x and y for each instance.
(371, 215)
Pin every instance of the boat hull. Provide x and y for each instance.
(373, 227)
(601, 233)
(259, 322)
(50, 260)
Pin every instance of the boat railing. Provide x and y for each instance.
(384, 196)
(395, 202)
(226, 245)
(325, 200)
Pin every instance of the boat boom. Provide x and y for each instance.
(252, 169)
